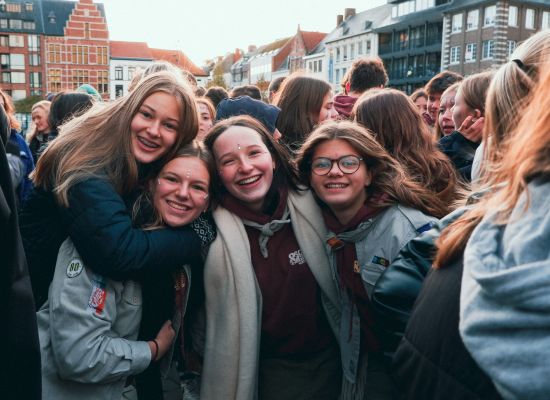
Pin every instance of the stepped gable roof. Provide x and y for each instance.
(179, 59)
(276, 45)
(132, 50)
(60, 11)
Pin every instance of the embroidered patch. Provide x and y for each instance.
(296, 257)
(98, 296)
(380, 261)
(74, 268)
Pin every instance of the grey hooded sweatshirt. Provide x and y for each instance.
(505, 298)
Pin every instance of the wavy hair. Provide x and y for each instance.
(388, 176)
(397, 125)
(9, 108)
(98, 143)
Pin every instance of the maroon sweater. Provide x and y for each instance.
(294, 324)
(349, 274)
(344, 105)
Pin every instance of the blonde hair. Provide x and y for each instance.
(388, 176)
(507, 98)
(41, 105)
(99, 142)
(9, 108)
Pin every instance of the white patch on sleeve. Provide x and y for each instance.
(74, 268)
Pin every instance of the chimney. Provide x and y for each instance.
(339, 20)
(349, 12)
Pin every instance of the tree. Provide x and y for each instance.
(217, 77)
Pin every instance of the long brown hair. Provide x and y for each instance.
(507, 98)
(397, 125)
(300, 100)
(9, 108)
(388, 176)
(99, 141)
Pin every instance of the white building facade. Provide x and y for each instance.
(122, 71)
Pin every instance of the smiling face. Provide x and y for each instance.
(245, 165)
(433, 104)
(343, 193)
(40, 120)
(445, 113)
(155, 126)
(181, 191)
(205, 121)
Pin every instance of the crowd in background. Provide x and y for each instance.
(186, 243)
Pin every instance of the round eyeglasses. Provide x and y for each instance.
(347, 164)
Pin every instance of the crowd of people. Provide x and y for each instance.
(183, 243)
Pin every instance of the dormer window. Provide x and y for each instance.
(52, 18)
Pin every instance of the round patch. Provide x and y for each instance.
(74, 268)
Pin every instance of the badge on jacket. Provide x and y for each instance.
(74, 268)
(98, 296)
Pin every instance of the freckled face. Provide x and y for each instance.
(245, 165)
(155, 126)
(181, 191)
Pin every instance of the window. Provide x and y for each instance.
(530, 18)
(310, 67)
(54, 80)
(337, 54)
(337, 75)
(80, 54)
(80, 77)
(17, 77)
(13, 7)
(489, 16)
(28, 7)
(5, 61)
(472, 19)
(102, 57)
(119, 91)
(488, 49)
(34, 42)
(470, 54)
(17, 61)
(54, 53)
(35, 79)
(15, 24)
(352, 51)
(17, 41)
(131, 73)
(87, 30)
(103, 81)
(360, 48)
(455, 55)
(368, 47)
(118, 73)
(34, 59)
(19, 94)
(3, 23)
(29, 25)
(545, 20)
(512, 44)
(4, 40)
(345, 52)
(456, 25)
(320, 65)
(6, 77)
(512, 16)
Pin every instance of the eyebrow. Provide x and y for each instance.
(177, 121)
(245, 147)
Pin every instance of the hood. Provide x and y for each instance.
(344, 104)
(511, 262)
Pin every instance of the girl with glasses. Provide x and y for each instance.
(270, 298)
(372, 209)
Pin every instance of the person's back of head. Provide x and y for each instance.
(245, 105)
(67, 105)
(274, 87)
(216, 94)
(367, 73)
(441, 82)
(247, 90)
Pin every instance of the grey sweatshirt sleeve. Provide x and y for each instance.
(91, 321)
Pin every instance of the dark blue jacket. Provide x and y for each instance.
(101, 228)
(24, 189)
(460, 151)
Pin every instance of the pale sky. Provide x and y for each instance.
(203, 29)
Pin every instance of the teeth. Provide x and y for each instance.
(249, 180)
(148, 143)
(177, 206)
(336, 186)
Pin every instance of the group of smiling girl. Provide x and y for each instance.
(281, 301)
